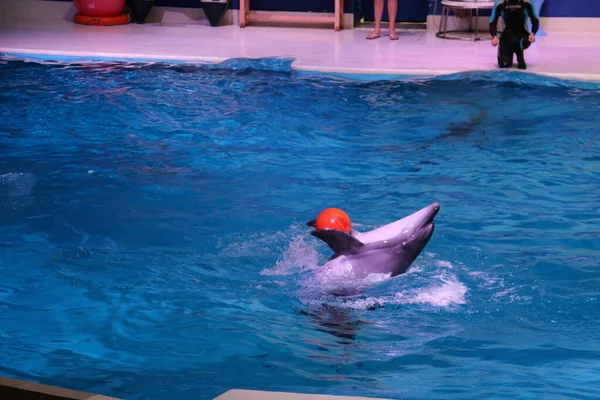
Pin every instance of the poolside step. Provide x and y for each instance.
(16, 389)
(237, 394)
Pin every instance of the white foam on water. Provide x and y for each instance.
(441, 294)
(450, 291)
(18, 183)
(445, 264)
(504, 293)
(442, 289)
(499, 289)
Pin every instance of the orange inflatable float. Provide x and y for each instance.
(100, 8)
(101, 12)
(102, 21)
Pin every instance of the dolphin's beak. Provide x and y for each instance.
(423, 225)
(424, 216)
(432, 211)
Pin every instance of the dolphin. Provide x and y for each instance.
(465, 128)
(389, 249)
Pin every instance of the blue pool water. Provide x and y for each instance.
(153, 241)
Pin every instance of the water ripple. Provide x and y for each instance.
(152, 231)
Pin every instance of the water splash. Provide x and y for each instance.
(297, 257)
(449, 291)
(430, 281)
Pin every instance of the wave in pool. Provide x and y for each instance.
(153, 238)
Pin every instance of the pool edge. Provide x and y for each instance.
(242, 394)
(352, 73)
(39, 55)
(11, 388)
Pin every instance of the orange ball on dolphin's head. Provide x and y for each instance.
(333, 218)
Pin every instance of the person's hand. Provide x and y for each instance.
(495, 41)
(531, 37)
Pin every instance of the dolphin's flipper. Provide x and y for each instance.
(338, 241)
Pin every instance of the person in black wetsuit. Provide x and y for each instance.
(515, 37)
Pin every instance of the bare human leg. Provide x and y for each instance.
(378, 14)
(392, 10)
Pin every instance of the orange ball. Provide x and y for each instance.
(333, 218)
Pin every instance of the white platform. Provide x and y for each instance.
(418, 52)
(236, 394)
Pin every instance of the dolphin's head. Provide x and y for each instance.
(406, 237)
(418, 230)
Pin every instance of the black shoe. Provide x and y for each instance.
(504, 62)
(521, 61)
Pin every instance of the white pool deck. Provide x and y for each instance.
(570, 55)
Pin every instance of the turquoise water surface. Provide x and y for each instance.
(153, 241)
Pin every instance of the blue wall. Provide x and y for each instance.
(551, 8)
(264, 5)
(571, 8)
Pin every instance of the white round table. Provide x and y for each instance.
(473, 34)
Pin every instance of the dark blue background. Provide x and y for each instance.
(555, 8)
(552, 8)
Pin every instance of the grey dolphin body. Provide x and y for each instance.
(466, 128)
(389, 249)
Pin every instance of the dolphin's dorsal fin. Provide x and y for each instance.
(340, 242)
